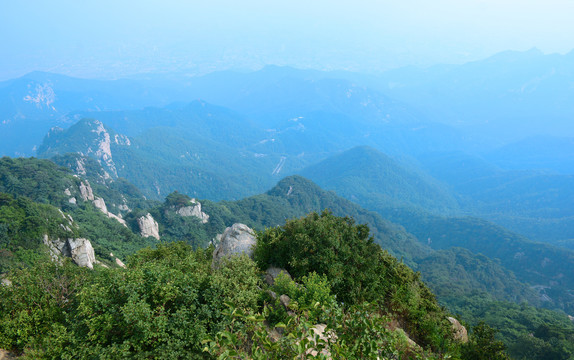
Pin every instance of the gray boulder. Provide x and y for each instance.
(271, 274)
(460, 332)
(237, 239)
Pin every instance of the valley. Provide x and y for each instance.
(128, 167)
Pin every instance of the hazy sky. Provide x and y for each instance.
(111, 38)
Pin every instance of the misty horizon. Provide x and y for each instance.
(106, 40)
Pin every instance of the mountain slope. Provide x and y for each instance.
(503, 97)
(376, 181)
(536, 204)
(163, 159)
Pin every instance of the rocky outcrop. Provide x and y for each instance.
(237, 239)
(5, 282)
(118, 261)
(7, 355)
(117, 218)
(319, 333)
(460, 332)
(100, 204)
(80, 250)
(194, 209)
(148, 226)
(86, 191)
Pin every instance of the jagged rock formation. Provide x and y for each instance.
(86, 191)
(148, 226)
(236, 239)
(193, 210)
(103, 151)
(460, 332)
(87, 194)
(100, 204)
(80, 250)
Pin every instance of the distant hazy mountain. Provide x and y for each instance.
(507, 96)
(534, 203)
(163, 159)
(378, 182)
(550, 153)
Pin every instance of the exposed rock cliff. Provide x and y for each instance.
(194, 209)
(86, 191)
(80, 250)
(148, 226)
(100, 204)
(236, 239)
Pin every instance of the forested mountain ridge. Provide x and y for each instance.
(292, 197)
(33, 187)
(166, 158)
(377, 181)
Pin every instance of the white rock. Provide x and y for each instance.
(120, 263)
(86, 191)
(82, 252)
(100, 204)
(193, 210)
(460, 332)
(117, 218)
(148, 226)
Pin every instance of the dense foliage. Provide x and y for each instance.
(161, 307)
(23, 224)
(548, 267)
(171, 303)
(356, 269)
(47, 186)
(528, 332)
(473, 274)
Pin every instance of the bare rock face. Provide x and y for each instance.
(118, 219)
(86, 191)
(236, 239)
(56, 247)
(82, 252)
(460, 332)
(6, 355)
(5, 282)
(120, 263)
(193, 210)
(148, 226)
(100, 204)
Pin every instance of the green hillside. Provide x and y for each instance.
(374, 180)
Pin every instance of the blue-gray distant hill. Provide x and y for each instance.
(508, 96)
(376, 181)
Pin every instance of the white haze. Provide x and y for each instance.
(112, 38)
